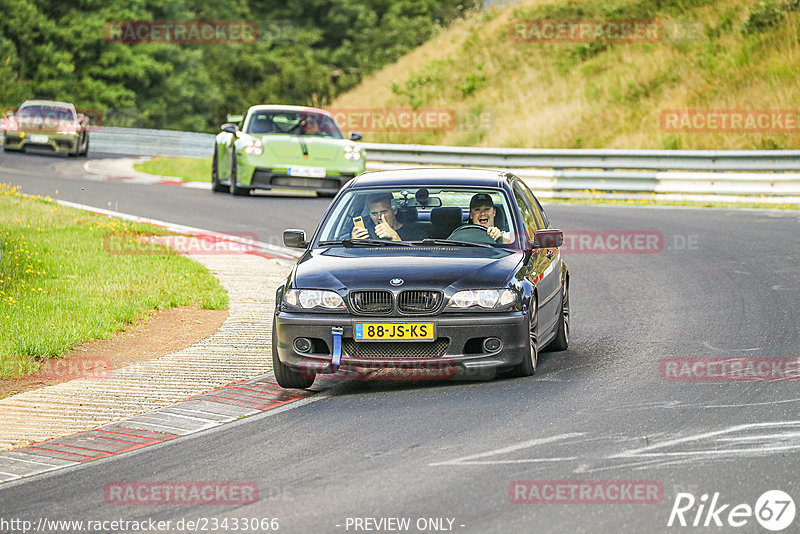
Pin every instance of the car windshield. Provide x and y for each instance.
(293, 123)
(44, 115)
(456, 216)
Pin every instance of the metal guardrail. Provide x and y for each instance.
(142, 142)
(564, 158)
(720, 172)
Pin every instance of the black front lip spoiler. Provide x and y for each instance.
(510, 327)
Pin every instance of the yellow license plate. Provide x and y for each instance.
(394, 332)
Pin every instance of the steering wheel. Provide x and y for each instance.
(472, 233)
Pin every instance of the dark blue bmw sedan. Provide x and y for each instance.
(456, 270)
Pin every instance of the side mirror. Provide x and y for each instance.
(355, 136)
(230, 128)
(295, 238)
(549, 238)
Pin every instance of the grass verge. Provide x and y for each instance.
(62, 284)
(186, 169)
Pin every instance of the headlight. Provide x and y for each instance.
(483, 298)
(352, 152)
(254, 147)
(313, 298)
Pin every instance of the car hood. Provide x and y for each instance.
(420, 268)
(294, 148)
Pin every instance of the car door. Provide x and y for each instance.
(545, 270)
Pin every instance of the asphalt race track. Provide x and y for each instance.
(719, 284)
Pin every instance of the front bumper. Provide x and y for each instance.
(459, 343)
(273, 179)
(254, 173)
(57, 142)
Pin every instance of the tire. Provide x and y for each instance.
(216, 187)
(77, 151)
(286, 376)
(86, 148)
(234, 189)
(561, 341)
(528, 365)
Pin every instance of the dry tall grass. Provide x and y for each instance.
(573, 95)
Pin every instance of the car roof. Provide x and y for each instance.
(428, 177)
(48, 103)
(276, 107)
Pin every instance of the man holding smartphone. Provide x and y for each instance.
(385, 221)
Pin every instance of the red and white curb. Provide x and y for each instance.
(121, 170)
(181, 419)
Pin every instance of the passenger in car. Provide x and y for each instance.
(385, 224)
(482, 212)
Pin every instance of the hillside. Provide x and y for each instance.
(713, 55)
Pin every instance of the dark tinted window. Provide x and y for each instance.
(528, 216)
(44, 115)
(541, 216)
(294, 123)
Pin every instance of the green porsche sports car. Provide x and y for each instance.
(284, 147)
(48, 125)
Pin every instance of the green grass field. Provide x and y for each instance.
(63, 281)
(186, 169)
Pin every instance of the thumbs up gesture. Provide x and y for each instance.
(385, 231)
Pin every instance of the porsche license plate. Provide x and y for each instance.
(311, 172)
(394, 332)
(39, 139)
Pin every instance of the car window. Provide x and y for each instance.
(293, 123)
(541, 217)
(528, 215)
(44, 115)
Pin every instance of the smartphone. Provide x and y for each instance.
(358, 221)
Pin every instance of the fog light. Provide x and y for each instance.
(302, 344)
(492, 344)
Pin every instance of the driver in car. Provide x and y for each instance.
(482, 212)
(386, 224)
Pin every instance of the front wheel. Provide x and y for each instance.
(215, 185)
(285, 375)
(528, 365)
(561, 341)
(235, 190)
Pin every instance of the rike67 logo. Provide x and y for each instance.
(774, 510)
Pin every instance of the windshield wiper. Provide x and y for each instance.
(350, 243)
(432, 241)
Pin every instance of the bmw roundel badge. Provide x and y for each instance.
(396, 282)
